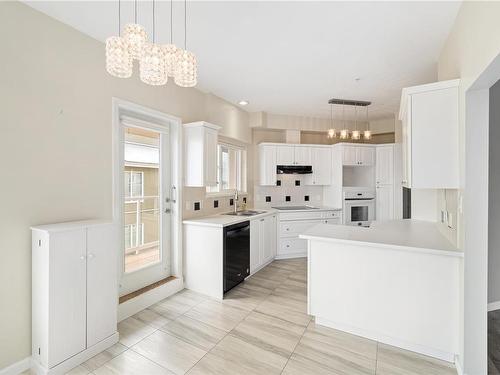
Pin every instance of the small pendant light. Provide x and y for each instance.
(152, 62)
(332, 132)
(118, 59)
(344, 133)
(356, 135)
(135, 35)
(367, 133)
(186, 72)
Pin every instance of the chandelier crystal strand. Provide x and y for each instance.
(152, 62)
(186, 74)
(170, 50)
(135, 35)
(332, 133)
(367, 133)
(356, 133)
(118, 60)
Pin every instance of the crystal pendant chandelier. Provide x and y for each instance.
(186, 71)
(118, 59)
(344, 133)
(152, 63)
(135, 35)
(367, 134)
(356, 135)
(170, 50)
(332, 132)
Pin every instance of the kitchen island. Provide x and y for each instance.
(397, 282)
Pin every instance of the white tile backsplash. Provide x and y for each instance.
(296, 193)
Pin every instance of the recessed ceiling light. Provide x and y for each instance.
(243, 102)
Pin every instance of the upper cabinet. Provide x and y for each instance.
(293, 155)
(267, 164)
(429, 115)
(200, 153)
(358, 155)
(321, 161)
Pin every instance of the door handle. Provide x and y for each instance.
(168, 210)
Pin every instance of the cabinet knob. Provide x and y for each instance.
(82, 257)
(91, 256)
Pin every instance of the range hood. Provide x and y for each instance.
(294, 169)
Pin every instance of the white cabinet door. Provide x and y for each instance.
(302, 155)
(365, 156)
(102, 288)
(67, 295)
(406, 149)
(267, 165)
(285, 155)
(384, 170)
(385, 202)
(335, 221)
(210, 157)
(255, 241)
(268, 229)
(349, 155)
(322, 166)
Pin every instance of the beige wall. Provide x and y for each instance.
(384, 125)
(55, 144)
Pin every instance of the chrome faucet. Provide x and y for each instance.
(235, 200)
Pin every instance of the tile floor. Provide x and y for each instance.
(262, 327)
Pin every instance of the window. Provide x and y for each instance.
(231, 169)
(134, 184)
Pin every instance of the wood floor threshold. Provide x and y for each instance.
(147, 288)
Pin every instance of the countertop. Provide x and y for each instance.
(409, 235)
(222, 220)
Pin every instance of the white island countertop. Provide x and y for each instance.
(409, 235)
(222, 220)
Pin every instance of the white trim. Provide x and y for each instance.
(458, 366)
(77, 359)
(17, 368)
(492, 306)
(431, 352)
(140, 115)
(142, 301)
(292, 256)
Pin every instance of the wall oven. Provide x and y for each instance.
(359, 207)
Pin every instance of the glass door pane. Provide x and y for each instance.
(141, 198)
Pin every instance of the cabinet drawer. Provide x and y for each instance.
(294, 228)
(292, 245)
(334, 221)
(331, 214)
(301, 215)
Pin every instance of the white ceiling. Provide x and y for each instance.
(291, 57)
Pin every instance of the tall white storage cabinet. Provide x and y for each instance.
(388, 182)
(74, 293)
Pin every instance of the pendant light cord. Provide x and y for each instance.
(135, 12)
(355, 117)
(119, 17)
(185, 25)
(154, 28)
(171, 22)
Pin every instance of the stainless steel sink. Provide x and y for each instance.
(245, 213)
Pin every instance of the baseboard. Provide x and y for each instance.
(17, 368)
(291, 256)
(492, 306)
(77, 359)
(458, 366)
(142, 301)
(421, 349)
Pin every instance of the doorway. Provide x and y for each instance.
(146, 201)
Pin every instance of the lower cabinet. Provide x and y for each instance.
(74, 293)
(385, 202)
(263, 241)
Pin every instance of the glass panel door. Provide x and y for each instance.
(145, 213)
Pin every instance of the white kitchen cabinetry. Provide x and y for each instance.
(387, 182)
(200, 153)
(293, 155)
(358, 155)
(74, 293)
(262, 242)
(429, 115)
(267, 165)
(321, 161)
(292, 224)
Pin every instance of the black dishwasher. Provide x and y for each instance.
(236, 254)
